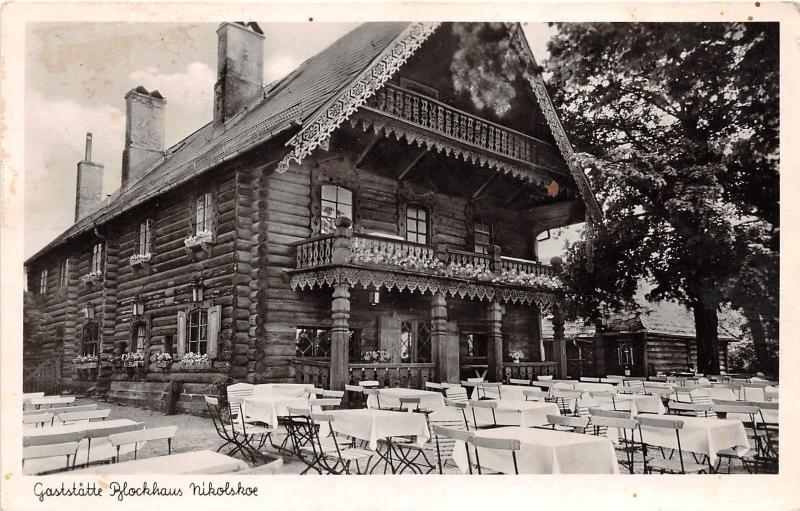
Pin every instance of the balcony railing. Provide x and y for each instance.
(433, 115)
(527, 370)
(398, 255)
(316, 371)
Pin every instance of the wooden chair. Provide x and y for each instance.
(104, 432)
(328, 456)
(441, 432)
(70, 417)
(238, 392)
(369, 383)
(434, 387)
(373, 392)
(418, 458)
(668, 464)
(536, 395)
(692, 409)
(748, 461)
(517, 381)
(460, 405)
(61, 409)
(334, 394)
(457, 394)
(53, 438)
(485, 404)
(570, 424)
(328, 403)
(626, 435)
(355, 396)
(38, 419)
(143, 435)
(68, 449)
(271, 468)
(482, 386)
(501, 444)
(224, 426)
(565, 398)
(249, 431)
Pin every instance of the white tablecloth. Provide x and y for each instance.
(516, 413)
(390, 398)
(370, 424)
(195, 462)
(700, 435)
(595, 387)
(280, 389)
(635, 403)
(510, 392)
(545, 452)
(266, 408)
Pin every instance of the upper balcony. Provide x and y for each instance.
(378, 262)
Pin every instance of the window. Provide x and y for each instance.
(625, 354)
(143, 240)
(43, 281)
(475, 344)
(417, 225)
(139, 338)
(97, 258)
(483, 237)
(89, 339)
(316, 342)
(415, 341)
(204, 214)
(335, 202)
(63, 280)
(198, 332)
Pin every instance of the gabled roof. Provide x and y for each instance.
(317, 96)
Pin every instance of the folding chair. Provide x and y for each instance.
(333, 394)
(668, 464)
(441, 432)
(462, 406)
(569, 424)
(104, 432)
(373, 392)
(536, 395)
(325, 403)
(691, 409)
(329, 455)
(418, 458)
(38, 419)
(248, 431)
(457, 394)
(500, 444)
(730, 453)
(68, 449)
(517, 381)
(224, 426)
(626, 435)
(484, 404)
(564, 398)
(70, 417)
(482, 386)
(143, 435)
(355, 396)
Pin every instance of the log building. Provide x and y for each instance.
(365, 217)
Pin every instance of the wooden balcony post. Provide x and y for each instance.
(495, 259)
(494, 346)
(559, 346)
(341, 243)
(340, 313)
(444, 346)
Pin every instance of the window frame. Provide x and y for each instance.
(95, 327)
(354, 344)
(476, 233)
(134, 346)
(209, 198)
(323, 230)
(408, 220)
(63, 278)
(414, 355)
(97, 257)
(201, 312)
(144, 246)
(43, 281)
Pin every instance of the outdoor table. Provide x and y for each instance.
(544, 451)
(281, 389)
(370, 424)
(48, 401)
(771, 393)
(516, 413)
(390, 398)
(86, 426)
(267, 408)
(701, 435)
(26, 397)
(510, 392)
(752, 394)
(194, 462)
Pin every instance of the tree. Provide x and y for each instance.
(678, 129)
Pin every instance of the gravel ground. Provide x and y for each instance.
(196, 433)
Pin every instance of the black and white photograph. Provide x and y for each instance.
(251, 247)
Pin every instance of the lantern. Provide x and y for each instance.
(374, 297)
(88, 312)
(137, 307)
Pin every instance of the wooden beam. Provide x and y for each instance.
(413, 164)
(485, 185)
(373, 139)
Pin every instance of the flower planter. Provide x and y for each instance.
(91, 279)
(86, 365)
(134, 363)
(164, 366)
(200, 367)
(140, 261)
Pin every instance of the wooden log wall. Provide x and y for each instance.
(666, 354)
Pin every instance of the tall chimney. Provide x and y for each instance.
(144, 132)
(88, 193)
(240, 69)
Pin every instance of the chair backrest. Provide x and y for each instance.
(104, 432)
(37, 418)
(614, 414)
(589, 379)
(322, 403)
(615, 377)
(492, 405)
(543, 377)
(50, 451)
(566, 393)
(53, 438)
(369, 383)
(535, 394)
(490, 384)
(298, 412)
(429, 385)
(456, 404)
(659, 422)
(61, 409)
(723, 410)
(457, 394)
(517, 381)
(271, 468)
(333, 394)
(612, 381)
(411, 403)
(354, 388)
(688, 407)
(613, 422)
(238, 391)
(634, 385)
(659, 391)
(569, 422)
(603, 394)
(82, 416)
(455, 434)
(475, 380)
(143, 435)
(501, 444)
(213, 401)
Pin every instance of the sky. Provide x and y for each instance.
(77, 75)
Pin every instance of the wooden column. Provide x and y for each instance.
(494, 346)
(559, 346)
(340, 313)
(444, 346)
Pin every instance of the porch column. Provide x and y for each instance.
(444, 347)
(340, 313)
(494, 348)
(559, 347)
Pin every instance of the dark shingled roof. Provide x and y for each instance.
(287, 104)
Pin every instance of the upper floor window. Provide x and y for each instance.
(198, 332)
(417, 225)
(63, 280)
(97, 258)
(483, 237)
(91, 334)
(336, 201)
(43, 281)
(204, 213)
(139, 338)
(143, 241)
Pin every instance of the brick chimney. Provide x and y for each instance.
(144, 132)
(88, 193)
(240, 69)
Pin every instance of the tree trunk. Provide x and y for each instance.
(705, 324)
(759, 340)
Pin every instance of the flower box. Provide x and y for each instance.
(141, 260)
(91, 279)
(134, 363)
(86, 365)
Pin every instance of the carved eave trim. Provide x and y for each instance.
(317, 130)
(400, 130)
(388, 280)
(593, 211)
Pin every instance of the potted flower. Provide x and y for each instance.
(140, 260)
(163, 360)
(375, 356)
(91, 278)
(193, 361)
(133, 359)
(85, 361)
(517, 356)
